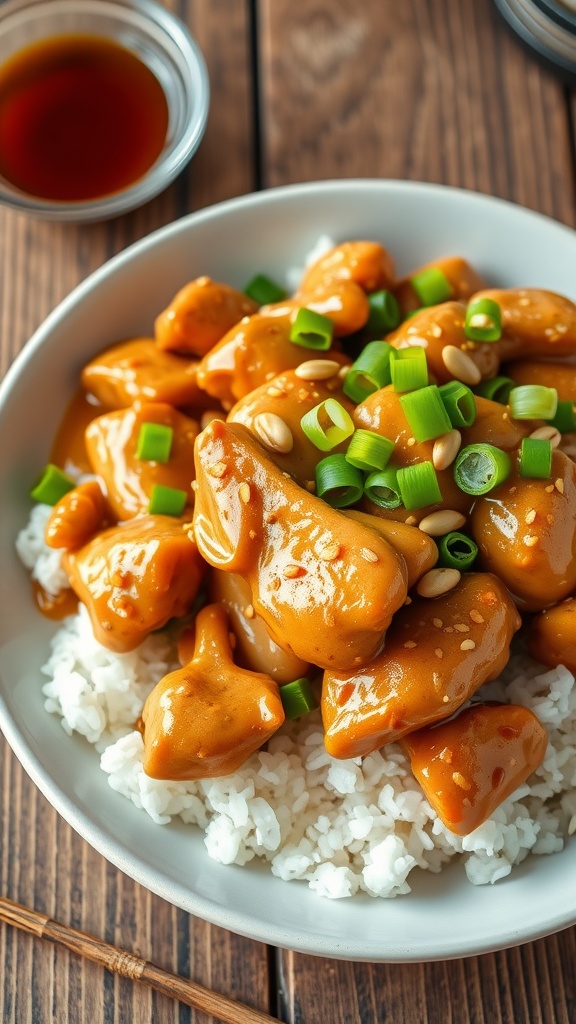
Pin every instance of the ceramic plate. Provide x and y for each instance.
(444, 916)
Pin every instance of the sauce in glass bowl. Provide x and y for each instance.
(80, 117)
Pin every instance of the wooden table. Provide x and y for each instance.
(301, 89)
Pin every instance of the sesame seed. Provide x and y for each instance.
(194, 485)
(512, 762)
(249, 611)
(530, 516)
(408, 601)
(448, 629)
(461, 782)
(292, 571)
(218, 469)
(559, 485)
(446, 755)
(475, 615)
(439, 652)
(467, 645)
(461, 627)
(244, 492)
(369, 555)
(445, 698)
(530, 540)
(572, 825)
(410, 643)
(329, 553)
(275, 392)
(549, 488)
(411, 442)
(411, 521)
(438, 623)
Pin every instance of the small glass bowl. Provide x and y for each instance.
(548, 28)
(157, 38)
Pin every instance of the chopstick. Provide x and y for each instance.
(120, 961)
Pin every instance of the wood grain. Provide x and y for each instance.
(434, 92)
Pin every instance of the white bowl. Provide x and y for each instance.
(444, 916)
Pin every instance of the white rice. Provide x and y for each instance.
(343, 826)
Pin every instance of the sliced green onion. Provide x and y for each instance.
(431, 286)
(167, 501)
(425, 412)
(565, 418)
(327, 425)
(52, 485)
(483, 320)
(457, 551)
(481, 467)
(154, 442)
(382, 488)
(418, 485)
(497, 389)
(533, 402)
(536, 458)
(337, 482)
(312, 330)
(264, 290)
(408, 368)
(370, 372)
(297, 698)
(369, 451)
(459, 403)
(384, 313)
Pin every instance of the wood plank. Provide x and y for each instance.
(43, 862)
(432, 92)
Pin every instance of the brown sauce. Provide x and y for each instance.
(80, 117)
(69, 444)
(54, 606)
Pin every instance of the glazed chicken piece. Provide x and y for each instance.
(438, 653)
(469, 765)
(367, 264)
(112, 443)
(526, 532)
(439, 330)
(252, 354)
(134, 577)
(418, 550)
(534, 323)
(464, 281)
(561, 376)
(139, 369)
(199, 315)
(325, 586)
(382, 413)
(255, 649)
(343, 302)
(77, 517)
(273, 414)
(552, 636)
(205, 719)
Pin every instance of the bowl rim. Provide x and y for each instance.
(102, 839)
(171, 160)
